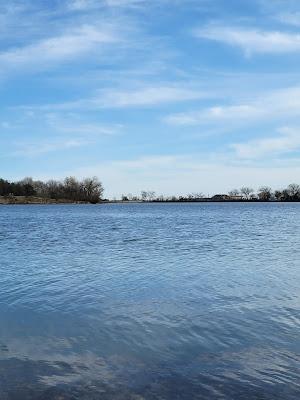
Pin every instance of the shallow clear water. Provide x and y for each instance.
(150, 301)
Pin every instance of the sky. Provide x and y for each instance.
(174, 96)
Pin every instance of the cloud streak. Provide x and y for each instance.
(142, 96)
(287, 141)
(276, 104)
(34, 149)
(82, 5)
(252, 41)
(58, 49)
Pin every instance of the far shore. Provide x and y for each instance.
(23, 200)
(91, 191)
(34, 200)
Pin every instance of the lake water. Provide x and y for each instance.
(150, 301)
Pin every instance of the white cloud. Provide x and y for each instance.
(276, 105)
(89, 4)
(33, 149)
(216, 113)
(287, 141)
(147, 96)
(142, 96)
(252, 40)
(125, 3)
(75, 125)
(68, 46)
(83, 4)
(89, 129)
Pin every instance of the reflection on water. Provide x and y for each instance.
(150, 301)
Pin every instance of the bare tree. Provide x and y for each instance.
(72, 188)
(278, 195)
(92, 189)
(27, 181)
(194, 196)
(54, 189)
(294, 191)
(144, 195)
(40, 188)
(151, 195)
(264, 193)
(246, 192)
(147, 195)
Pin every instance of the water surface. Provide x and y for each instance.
(150, 301)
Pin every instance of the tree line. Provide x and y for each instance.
(265, 193)
(72, 189)
(245, 193)
(91, 190)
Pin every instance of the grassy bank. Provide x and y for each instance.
(4, 200)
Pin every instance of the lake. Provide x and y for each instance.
(150, 301)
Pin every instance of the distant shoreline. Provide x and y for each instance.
(90, 191)
(23, 200)
(32, 200)
(195, 201)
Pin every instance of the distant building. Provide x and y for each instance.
(236, 197)
(226, 197)
(220, 197)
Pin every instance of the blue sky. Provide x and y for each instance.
(175, 96)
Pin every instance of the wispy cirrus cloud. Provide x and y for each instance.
(214, 114)
(36, 148)
(252, 41)
(82, 5)
(76, 126)
(129, 4)
(142, 96)
(275, 104)
(57, 49)
(67, 132)
(288, 140)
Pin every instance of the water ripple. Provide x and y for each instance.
(150, 301)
